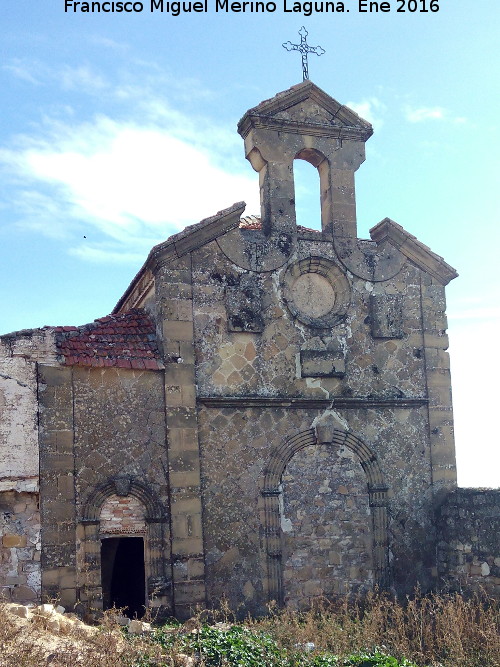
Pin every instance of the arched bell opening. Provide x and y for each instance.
(312, 190)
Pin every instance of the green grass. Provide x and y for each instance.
(239, 646)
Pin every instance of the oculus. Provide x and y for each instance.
(316, 292)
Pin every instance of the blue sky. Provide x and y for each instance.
(118, 130)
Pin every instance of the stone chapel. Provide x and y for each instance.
(265, 415)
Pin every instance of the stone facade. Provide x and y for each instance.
(266, 415)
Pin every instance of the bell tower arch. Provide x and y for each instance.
(305, 123)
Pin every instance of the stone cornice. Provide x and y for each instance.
(304, 128)
(415, 250)
(347, 124)
(308, 403)
(180, 244)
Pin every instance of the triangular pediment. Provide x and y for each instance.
(305, 104)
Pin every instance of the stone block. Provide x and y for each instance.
(185, 547)
(186, 505)
(24, 594)
(65, 486)
(186, 352)
(64, 441)
(179, 374)
(58, 461)
(182, 417)
(190, 592)
(136, 627)
(196, 568)
(188, 478)
(182, 439)
(177, 330)
(9, 541)
(436, 340)
(184, 460)
(54, 376)
(19, 610)
(68, 597)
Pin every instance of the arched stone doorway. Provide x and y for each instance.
(122, 532)
(279, 555)
(124, 549)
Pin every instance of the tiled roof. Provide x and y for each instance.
(124, 341)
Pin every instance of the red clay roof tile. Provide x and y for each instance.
(124, 341)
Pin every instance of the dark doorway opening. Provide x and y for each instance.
(122, 574)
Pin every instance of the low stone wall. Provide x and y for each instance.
(19, 547)
(468, 551)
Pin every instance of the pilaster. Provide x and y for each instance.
(175, 309)
(438, 378)
(57, 490)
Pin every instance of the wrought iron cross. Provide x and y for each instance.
(304, 48)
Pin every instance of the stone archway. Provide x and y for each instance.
(123, 508)
(271, 493)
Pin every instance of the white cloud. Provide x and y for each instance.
(108, 43)
(144, 176)
(20, 70)
(108, 254)
(370, 109)
(82, 78)
(424, 113)
(421, 114)
(476, 314)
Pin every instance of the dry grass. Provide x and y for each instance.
(437, 630)
(444, 630)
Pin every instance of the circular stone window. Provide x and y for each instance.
(316, 292)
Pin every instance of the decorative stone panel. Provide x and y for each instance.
(244, 305)
(322, 358)
(386, 315)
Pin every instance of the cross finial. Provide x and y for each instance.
(304, 49)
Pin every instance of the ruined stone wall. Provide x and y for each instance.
(468, 550)
(19, 513)
(20, 547)
(19, 354)
(265, 374)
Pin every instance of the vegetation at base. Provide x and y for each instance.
(239, 646)
(374, 631)
(448, 630)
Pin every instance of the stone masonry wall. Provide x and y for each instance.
(370, 367)
(19, 511)
(326, 524)
(469, 546)
(20, 547)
